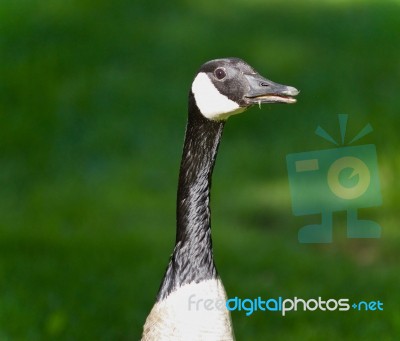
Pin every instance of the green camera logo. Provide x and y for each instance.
(340, 179)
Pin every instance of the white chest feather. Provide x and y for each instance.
(210, 101)
(194, 312)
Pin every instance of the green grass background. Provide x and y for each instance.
(93, 99)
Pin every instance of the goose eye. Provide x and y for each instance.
(220, 73)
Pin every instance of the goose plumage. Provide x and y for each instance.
(190, 305)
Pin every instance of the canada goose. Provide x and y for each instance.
(190, 304)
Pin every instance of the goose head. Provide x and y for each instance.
(228, 86)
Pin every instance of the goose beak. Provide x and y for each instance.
(262, 90)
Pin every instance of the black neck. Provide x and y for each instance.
(192, 260)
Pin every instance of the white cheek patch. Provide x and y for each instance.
(210, 101)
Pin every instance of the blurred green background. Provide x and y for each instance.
(93, 98)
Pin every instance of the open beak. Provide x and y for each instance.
(262, 90)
